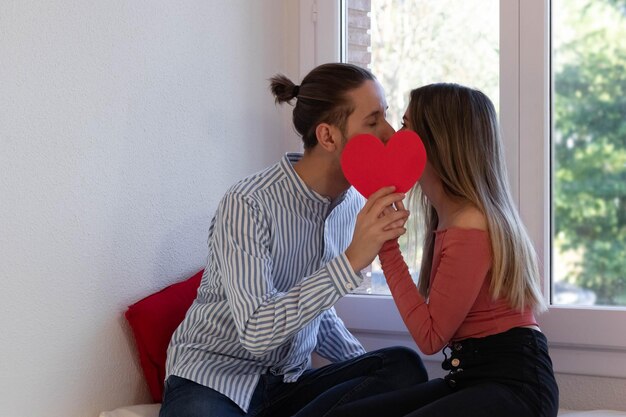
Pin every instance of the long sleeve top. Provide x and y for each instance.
(275, 269)
(459, 304)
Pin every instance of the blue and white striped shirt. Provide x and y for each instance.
(276, 267)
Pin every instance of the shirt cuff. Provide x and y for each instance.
(342, 275)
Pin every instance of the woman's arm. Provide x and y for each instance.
(465, 261)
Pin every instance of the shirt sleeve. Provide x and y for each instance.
(265, 317)
(463, 267)
(334, 340)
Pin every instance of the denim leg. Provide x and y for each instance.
(183, 397)
(507, 374)
(318, 391)
(484, 400)
(396, 403)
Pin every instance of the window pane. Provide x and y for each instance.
(589, 152)
(409, 43)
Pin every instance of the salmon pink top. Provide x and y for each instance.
(459, 305)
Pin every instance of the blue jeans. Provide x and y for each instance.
(507, 374)
(315, 394)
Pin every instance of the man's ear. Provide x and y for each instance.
(328, 137)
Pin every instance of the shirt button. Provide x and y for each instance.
(455, 362)
(350, 286)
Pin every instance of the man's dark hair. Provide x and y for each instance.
(321, 98)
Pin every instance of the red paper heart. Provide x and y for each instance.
(369, 164)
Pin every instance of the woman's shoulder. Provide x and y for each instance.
(469, 219)
(468, 233)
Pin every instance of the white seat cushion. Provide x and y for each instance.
(143, 410)
(591, 413)
(152, 410)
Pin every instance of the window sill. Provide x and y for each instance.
(583, 341)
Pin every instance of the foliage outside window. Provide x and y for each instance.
(415, 42)
(589, 143)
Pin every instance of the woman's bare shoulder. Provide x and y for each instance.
(470, 218)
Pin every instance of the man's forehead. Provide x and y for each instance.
(369, 98)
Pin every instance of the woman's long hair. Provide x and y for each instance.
(458, 126)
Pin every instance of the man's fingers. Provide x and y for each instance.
(393, 220)
(397, 223)
(393, 234)
(387, 211)
(386, 201)
(376, 196)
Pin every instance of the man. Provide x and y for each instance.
(285, 244)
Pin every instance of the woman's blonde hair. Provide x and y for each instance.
(458, 126)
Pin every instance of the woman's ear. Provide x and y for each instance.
(328, 137)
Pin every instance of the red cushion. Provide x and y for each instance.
(153, 320)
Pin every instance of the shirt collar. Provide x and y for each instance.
(299, 186)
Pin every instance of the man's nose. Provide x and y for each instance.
(388, 131)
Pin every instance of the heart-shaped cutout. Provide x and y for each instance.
(369, 164)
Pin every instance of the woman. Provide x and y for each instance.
(479, 286)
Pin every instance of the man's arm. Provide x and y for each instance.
(334, 341)
(264, 317)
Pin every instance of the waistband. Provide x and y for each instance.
(511, 337)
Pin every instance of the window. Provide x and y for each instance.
(584, 339)
(407, 44)
(589, 152)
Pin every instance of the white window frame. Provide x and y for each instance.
(583, 340)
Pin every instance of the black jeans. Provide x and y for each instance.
(317, 391)
(507, 374)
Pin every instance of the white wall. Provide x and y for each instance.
(121, 124)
